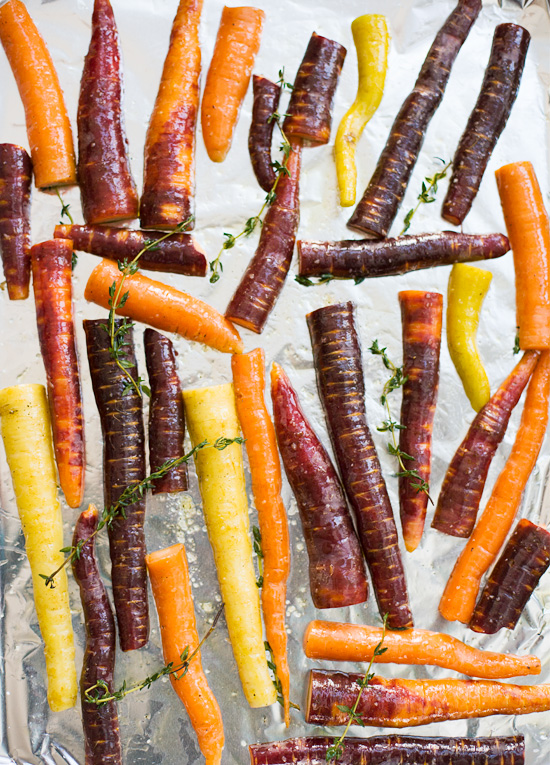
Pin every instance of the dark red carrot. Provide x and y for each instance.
(422, 316)
(487, 120)
(377, 209)
(107, 188)
(364, 259)
(121, 418)
(178, 254)
(338, 365)
(166, 415)
(260, 136)
(309, 113)
(393, 750)
(463, 485)
(336, 569)
(15, 221)
(516, 574)
(52, 283)
(100, 722)
(265, 275)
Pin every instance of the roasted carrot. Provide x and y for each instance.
(364, 259)
(169, 577)
(524, 560)
(237, 44)
(422, 315)
(265, 275)
(52, 283)
(15, 223)
(336, 568)
(309, 112)
(101, 731)
(166, 415)
(464, 481)
(400, 703)
(265, 469)
(377, 209)
(459, 597)
(169, 173)
(164, 307)
(260, 135)
(121, 419)
(107, 189)
(334, 641)
(528, 227)
(488, 119)
(48, 126)
(338, 366)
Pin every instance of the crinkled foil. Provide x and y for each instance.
(154, 725)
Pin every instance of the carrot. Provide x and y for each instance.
(260, 135)
(48, 126)
(169, 577)
(528, 227)
(237, 44)
(15, 223)
(459, 597)
(164, 307)
(52, 283)
(265, 469)
(169, 174)
(334, 641)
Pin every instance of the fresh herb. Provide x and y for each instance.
(258, 550)
(276, 679)
(396, 381)
(325, 279)
(282, 83)
(130, 495)
(427, 193)
(516, 342)
(65, 213)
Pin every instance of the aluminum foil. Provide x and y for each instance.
(154, 725)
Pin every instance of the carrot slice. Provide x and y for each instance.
(15, 223)
(260, 136)
(48, 126)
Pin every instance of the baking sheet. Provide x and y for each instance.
(154, 725)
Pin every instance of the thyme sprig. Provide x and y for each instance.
(65, 211)
(335, 752)
(100, 694)
(427, 194)
(516, 342)
(389, 425)
(259, 554)
(276, 679)
(305, 281)
(130, 495)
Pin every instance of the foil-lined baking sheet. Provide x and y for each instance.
(154, 725)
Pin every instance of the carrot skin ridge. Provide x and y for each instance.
(516, 574)
(179, 254)
(101, 731)
(52, 284)
(337, 574)
(265, 275)
(169, 167)
(309, 112)
(422, 317)
(15, 222)
(488, 119)
(379, 205)
(364, 259)
(166, 414)
(260, 136)
(338, 367)
(123, 465)
(337, 641)
(460, 495)
(265, 469)
(400, 703)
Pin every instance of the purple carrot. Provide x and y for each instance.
(266, 101)
(15, 221)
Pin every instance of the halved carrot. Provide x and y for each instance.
(237, 44)
(48, 126)
(163, 307)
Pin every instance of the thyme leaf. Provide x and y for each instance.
(427, 194)
(65, 211)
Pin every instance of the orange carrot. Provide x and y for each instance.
(163, 307)
(459, 598)
(529, 233)
(48, 126)
(265, 468)
(172, 592)
(334, 641)
(237, 44)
